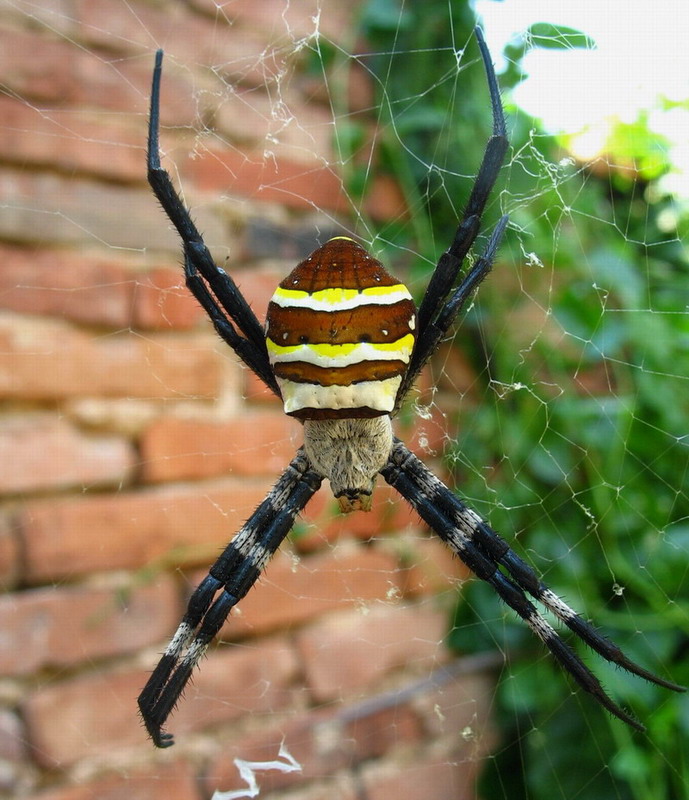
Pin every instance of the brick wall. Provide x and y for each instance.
(132, 445)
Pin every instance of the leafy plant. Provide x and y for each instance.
(574, 439)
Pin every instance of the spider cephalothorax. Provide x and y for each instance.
(342, 347)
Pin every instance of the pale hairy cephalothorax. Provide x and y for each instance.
(349, 453)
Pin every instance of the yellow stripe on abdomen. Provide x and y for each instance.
(341, 355)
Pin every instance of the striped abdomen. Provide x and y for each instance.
(340, 332)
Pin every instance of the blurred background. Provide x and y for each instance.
(133, 446)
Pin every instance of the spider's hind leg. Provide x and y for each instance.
(229, 579)
(485, 552)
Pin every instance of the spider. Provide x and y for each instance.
(342, 346)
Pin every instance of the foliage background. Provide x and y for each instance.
(574, 438)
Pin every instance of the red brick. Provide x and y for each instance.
(286, 182)
(465, 705)
(44, 451)
(87, 716)
(384, 199)
(347, 652)
(255, 391)
(42, 359)
(327, 524)
(303, 132)
(50, 69)
(54, 209)
(292, 592)
(189, 39)
(162, 301)
(322, 742)
(178, 782)
(439, 779)
(32, 136)
(92, 290)
(428, 438)
(65, 626)
(235, 681)
(258, 284)
(255, 444)
(430, 566)
(96, 715)
(188, 524)
(12, 739)
(361, 94)
(95, 290)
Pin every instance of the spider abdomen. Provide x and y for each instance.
(340, 332)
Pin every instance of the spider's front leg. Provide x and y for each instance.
(228, 580)
(230, 313)
(484, 552)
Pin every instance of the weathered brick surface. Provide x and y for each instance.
(256, 444)
(32, 137)
(299, 17)
(161, 301)
(323, 742)
(327, 524)
(11, 551)
(177, 783)
(133, 445)
(252, 680)
(431, 568)
(66, 538)
(439, 779)
(84, 717)
(93, 716)
(84, 213)
(349, 651)
(302, 133)
(286, 182)
(42, 359)
(65, 626)
(96, 290)
(294, 591)
(41, 451)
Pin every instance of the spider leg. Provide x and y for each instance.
(484, 551)
(450, 262)
(428, 341)
(230, 578)
(200, 270)
(245, 349)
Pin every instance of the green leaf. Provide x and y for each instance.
(559, 37)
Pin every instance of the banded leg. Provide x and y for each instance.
(450, 262)
(230, 578)
(436, 329)
(435, 314)
(484, 552)
(212, 286)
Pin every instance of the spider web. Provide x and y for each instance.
(558, 410)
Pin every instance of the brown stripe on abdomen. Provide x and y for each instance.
(368, 323)
(300, 372)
